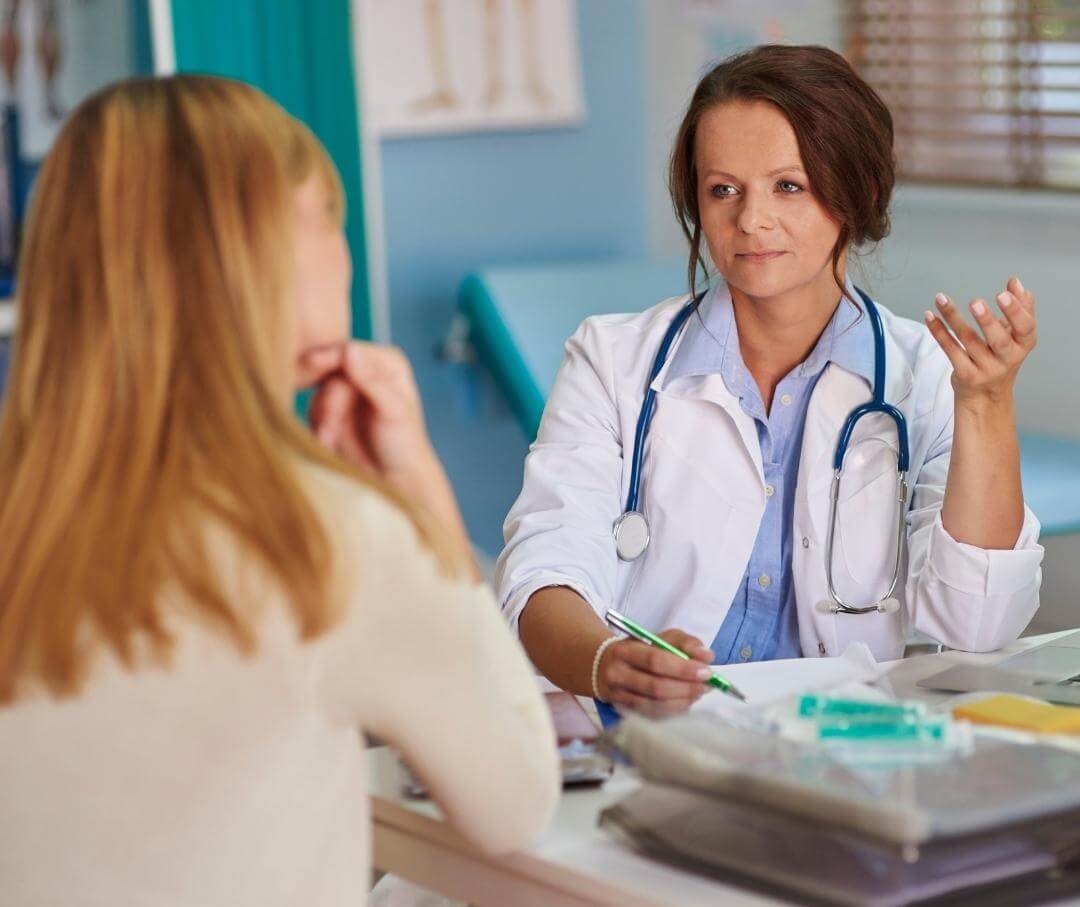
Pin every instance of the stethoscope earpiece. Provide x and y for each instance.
(889, 606)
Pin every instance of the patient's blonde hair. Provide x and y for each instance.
(151, 383)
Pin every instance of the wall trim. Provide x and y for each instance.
(161, 34)
(371, 179)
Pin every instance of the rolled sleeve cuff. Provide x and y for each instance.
(519, 596)
(984, 572)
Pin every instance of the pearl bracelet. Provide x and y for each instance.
(600, 650)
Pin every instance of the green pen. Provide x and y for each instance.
(627, 626)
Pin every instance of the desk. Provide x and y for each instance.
(574, 862)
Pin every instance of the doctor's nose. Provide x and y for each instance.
(754, 214)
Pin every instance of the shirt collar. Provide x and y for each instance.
(710, 344)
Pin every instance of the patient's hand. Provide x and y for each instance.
(367, 408)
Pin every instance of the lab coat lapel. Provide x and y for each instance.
(712, 389)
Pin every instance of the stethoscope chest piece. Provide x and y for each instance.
(631, 532)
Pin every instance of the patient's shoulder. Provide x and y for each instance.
(353, 510)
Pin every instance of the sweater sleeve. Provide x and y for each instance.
(428, 665)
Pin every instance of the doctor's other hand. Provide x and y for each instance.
(638, 676)
(986, 362)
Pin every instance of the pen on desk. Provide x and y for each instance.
(627, 626)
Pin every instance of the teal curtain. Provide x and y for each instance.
(142, 52)
(300, 53)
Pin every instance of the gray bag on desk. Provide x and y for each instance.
(786, 855)
(998, 783)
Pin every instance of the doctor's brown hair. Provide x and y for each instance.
(843, 128)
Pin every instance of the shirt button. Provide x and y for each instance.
(745, 652)
(769, 491)
(764, 580)
(786, 399)
(805, 542)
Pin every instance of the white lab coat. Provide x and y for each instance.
(703, 491)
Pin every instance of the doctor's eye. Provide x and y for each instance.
(788, 187)
(722, 190)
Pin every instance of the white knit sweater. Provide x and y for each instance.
(230, 780)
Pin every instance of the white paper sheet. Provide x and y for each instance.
(766, 682)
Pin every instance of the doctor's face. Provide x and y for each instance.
(322, 271)
(766, 232)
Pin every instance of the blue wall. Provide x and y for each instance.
(457, 203)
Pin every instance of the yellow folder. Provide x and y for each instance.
(1024, 714)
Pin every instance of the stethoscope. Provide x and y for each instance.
(631, 529)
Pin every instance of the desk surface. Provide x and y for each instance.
(574, 863)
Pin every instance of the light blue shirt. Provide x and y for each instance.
(761, 623)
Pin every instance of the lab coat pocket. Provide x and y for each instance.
(867, 522)
(680, 580)
(883, 634)
(864, 552)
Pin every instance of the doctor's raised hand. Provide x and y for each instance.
(984, 504)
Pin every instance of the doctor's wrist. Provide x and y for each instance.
(601, 649)
(986, 411)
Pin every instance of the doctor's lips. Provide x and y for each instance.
(761, 256)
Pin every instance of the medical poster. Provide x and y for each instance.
(439, 66)
(55, 52)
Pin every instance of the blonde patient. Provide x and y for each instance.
(200, 603)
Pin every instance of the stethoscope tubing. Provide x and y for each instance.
(876, 405)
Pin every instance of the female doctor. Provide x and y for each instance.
(782, 166)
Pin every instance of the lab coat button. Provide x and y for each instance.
(805, 542)
(745, 652)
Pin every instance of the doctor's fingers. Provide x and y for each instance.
(1014, 286)
(653, 673)
(999, 337)
(957, 355)
(691, 645)
(628, 682)
(653, 708)
(973, 345)
(1019, 319)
